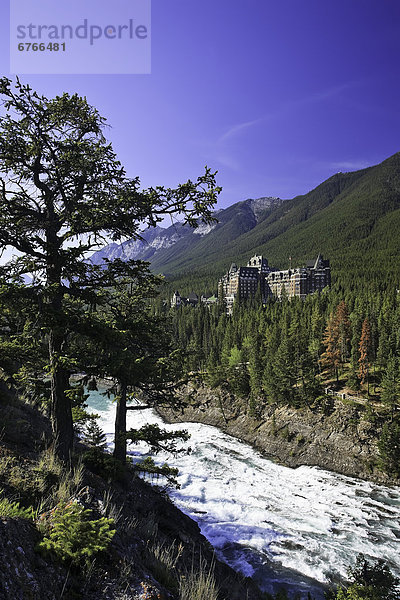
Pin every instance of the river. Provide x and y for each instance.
(294, 528)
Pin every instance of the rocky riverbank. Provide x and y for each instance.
(334, 435)
(155, 546)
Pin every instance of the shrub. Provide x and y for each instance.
(370, 414)
(80, 418)
(103, 464)
(72, 536)
(324, 404)
(13, 510)
(285, 433)
(149, 592)
(274, 430)
(78, 396)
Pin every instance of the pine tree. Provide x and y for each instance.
(331, 357)
(391, 385)
(343, 326)
(370, 581)
(356, 322)
(133, 347)
(255, 366)
(315, 332)
(94, 436)
(389, 448)
(62, 190)
(285, 373)
(364, 349)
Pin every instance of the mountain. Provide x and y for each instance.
(160, 245)
(153, 240)
(351, 218)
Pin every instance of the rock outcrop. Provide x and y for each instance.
(335, 437)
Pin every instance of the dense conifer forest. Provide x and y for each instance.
(290, 352)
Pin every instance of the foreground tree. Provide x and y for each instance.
(125, 341)
(142, 361)
(22, 345)
(62, 192)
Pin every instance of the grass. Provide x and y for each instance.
(42, 483)
(147, 528)
(112, 511)
(162, 559)
(198, 585)
(6, 464)
(57, 483)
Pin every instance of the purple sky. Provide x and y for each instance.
(275, 95)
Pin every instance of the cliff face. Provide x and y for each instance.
(334, 437)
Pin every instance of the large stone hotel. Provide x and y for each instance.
(258, 276)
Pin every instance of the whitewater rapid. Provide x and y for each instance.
(295, 528)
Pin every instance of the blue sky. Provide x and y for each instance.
(275, 95)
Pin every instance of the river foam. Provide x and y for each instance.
(298, 528)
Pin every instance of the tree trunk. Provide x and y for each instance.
(61, 414)
(120, 424)
(61, 417)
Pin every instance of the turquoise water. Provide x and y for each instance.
(99, 402)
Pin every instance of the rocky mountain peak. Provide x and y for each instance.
(158, 241)
(259, 205)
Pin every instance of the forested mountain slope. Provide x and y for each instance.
(352, 218)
